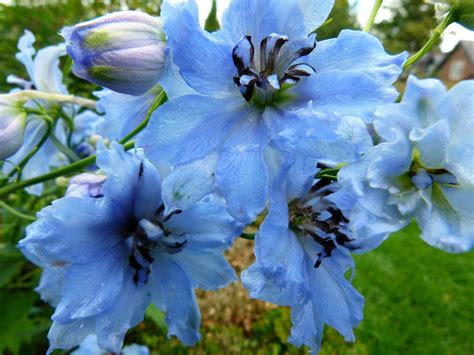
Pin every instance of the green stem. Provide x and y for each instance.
(71, 168)
(373, 14)
(435, 35)
(21, 165)
(16, 213)
(41, 95)
(68, 152)
(160, 99)
(247, 236)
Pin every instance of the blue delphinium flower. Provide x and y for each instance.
(113, 254)
(424, 167)
(303, 251)
(123, 51)
(251, 77)
(45, 75)
(90, 346)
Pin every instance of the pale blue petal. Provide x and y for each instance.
(202, 124)
(47, 75)
(68, 335)
(206, 269)
(205, 64)
(206, 225)
(189, 183)
(25, 56)
(357, 52)
(182, 313)
(100, 283)
(122, 112)
(127, 312)
(241, 172)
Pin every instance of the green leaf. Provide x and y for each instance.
(11, 262)
(15, 326)
(157, 316)
(212, 23)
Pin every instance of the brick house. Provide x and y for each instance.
(458, 64)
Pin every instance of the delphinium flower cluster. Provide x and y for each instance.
(196, 135)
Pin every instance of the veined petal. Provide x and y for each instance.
(100, 280)
(241, 172)
(359, 52)
(205, 63)
(174, 286)
(206, 225)
(206, 269)
(47, 75)
(202, 124)
(68, 335)
(127, 312)
(260, 18)
(189, 183)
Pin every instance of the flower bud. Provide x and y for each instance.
(86, 185)
(123, 51)
(461, 10)
(12, 124)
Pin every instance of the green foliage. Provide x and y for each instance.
(212, 23)
(408, 27)
(342, 17)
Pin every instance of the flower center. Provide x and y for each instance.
(145, 237)
(319, 218)
(262, 74)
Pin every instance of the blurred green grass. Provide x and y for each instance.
(419, 300)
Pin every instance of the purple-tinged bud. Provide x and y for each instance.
(122, 51)
(86, 185)
(12, 124)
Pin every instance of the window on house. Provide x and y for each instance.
(456, 70)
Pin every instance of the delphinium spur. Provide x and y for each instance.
(106, 256)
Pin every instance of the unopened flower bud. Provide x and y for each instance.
(12, 124)
(86, 185)
(123, 51)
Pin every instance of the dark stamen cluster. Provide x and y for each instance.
(142, 244)
(273, 68)
(327, 226)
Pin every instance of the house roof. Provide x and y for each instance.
(467, 46)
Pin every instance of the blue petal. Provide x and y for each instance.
(189, 183)
(126, 313)
(358, 52)
(67, 335)
(345, 93)
(182, 313)
(122, 112)
(241, 172)
(201, 125)
(206, 269)
(278, 274)
(91, 288)
(261, 18)
(25, 56)
(205, 64)
(206, 224)
(69, 238)
(334, 299)
(47, 75)
(327, 138)
(148, 191)
(123, 173)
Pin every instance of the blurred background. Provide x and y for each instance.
(418, 300)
